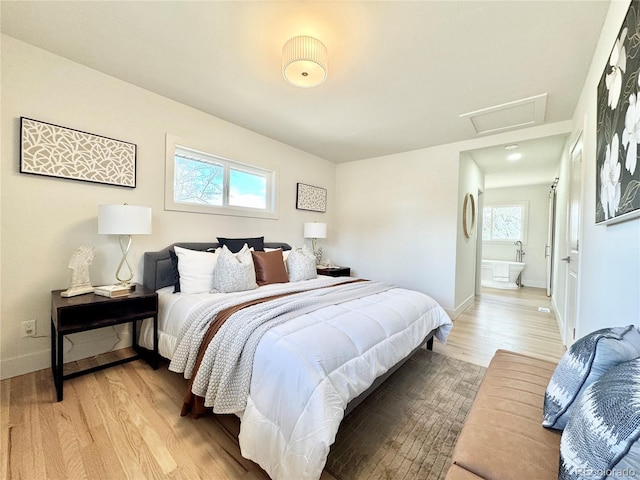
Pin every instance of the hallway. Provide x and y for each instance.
(507, 319)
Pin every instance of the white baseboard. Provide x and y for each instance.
(13, 367)
(559, 319)
(453, 314)
(82, 347)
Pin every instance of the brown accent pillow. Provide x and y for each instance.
(269, 267)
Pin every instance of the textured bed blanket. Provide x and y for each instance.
(224, 374)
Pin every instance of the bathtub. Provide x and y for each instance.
(500, 273)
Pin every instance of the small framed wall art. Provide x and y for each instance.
(311, 198)
(55, 151)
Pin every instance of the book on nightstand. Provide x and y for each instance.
(113, 290)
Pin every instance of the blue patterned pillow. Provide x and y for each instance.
(602, 438)
(585, 362)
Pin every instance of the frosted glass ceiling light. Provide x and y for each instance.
(304, 61)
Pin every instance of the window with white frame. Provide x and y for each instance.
(505, 222)
(197, 181)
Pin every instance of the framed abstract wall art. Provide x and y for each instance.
(311, 198)
(55, 151)
(618, 127)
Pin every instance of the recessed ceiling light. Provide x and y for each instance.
(514, 156)
(511, 147)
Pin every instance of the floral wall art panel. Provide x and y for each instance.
(311, 198)
(55, 151)
(618, 128)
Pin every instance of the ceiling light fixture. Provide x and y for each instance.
(513, 146)
(514, 156)
(304, 61)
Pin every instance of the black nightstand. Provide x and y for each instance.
(335, 271)
(91, 311)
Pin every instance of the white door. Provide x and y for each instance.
(573, 243)
(548, 248)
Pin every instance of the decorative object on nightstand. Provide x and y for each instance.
(315, 230)
(113, 291)
(124, 220)
(79, 265)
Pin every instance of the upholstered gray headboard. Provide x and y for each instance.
(158, 269)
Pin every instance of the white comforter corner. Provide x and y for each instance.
(307, 369)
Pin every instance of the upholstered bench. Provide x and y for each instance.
(503, 437)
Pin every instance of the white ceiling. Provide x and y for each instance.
(400, 73)
(539, 162)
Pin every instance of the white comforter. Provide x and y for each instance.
(307, 370)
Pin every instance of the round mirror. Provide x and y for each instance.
(468, 215)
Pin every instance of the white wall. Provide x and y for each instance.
(537, 199)
(609, 289)
(45, 219)
(471, 180)
(389, 226)
(398, 215)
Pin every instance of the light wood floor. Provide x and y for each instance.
(507, 319)
(124, 423)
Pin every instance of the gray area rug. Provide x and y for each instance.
(408, 427)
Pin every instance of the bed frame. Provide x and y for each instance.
(158, 273)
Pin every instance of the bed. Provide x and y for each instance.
(325, 343)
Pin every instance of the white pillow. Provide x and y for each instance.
(234, 272)
(301, 264)
(195, 269)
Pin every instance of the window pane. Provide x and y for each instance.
(486, 223)
(197, 181)
(247, 189)
(506, 223)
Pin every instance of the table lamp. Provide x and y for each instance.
(315, 230)
(124, 221)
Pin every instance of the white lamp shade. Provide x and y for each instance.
(304, 61)
(124, 220)
(315, 230)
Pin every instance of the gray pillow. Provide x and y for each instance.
(586, 361)
(602, 438)
(301, 264)
(234, 272)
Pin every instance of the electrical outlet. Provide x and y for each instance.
(29, 328)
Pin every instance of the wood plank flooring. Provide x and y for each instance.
(124, 423)
(507, 319)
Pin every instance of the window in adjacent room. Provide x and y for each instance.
(504, 223)
(197, 181)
